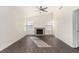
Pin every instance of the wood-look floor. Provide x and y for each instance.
(26, 45)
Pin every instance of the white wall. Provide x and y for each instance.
(41, 21)
(63, 24)
(11, 25)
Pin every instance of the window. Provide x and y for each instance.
(49, 25)
(29, 25)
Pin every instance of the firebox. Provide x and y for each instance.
(39, 31)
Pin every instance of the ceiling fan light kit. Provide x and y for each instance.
(43, 9)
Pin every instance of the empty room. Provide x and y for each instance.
(39, 29)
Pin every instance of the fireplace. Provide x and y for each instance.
(39, 31)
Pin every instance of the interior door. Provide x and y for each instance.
(77, 27)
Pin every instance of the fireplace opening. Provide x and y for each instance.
(39, 31)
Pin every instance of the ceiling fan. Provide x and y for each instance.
(43, 9)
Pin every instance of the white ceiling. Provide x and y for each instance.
(30, 11)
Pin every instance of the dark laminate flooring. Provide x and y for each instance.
(26, 45)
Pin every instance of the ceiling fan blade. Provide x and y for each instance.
(45, 11)
(45, 8)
